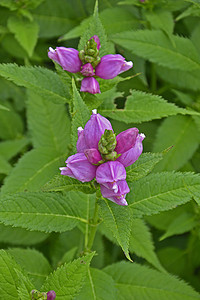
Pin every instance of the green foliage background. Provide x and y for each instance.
(148, 250)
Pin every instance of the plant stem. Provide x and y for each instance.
(93, 227)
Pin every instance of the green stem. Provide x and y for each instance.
(93, 227)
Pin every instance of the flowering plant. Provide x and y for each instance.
(89, 64)
(104, 156)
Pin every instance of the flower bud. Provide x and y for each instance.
(90, 85)
(68, 58)
(90, 54)
(93, 156)
(112, 65)
(97, 41)
(119, 196)
(79, 167)
(108, 142)
(94, 129)
(51, 295)
(126, 140)
(87, 70)
(130, 156)
(109, 173)
(36, 295)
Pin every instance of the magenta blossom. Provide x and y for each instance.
(104, 156)
(88, 63)
(51, 295)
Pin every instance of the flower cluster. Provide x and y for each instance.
(89, 64)
(104, 156)
(37, 295)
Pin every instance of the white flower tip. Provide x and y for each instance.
(62, 168)
(51, 49)
(80, 129)
(129, 64)
(123, 201)
(115, 187)
(142, 135)
(94, 111)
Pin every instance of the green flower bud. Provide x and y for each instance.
(107, 142)
(36, 295)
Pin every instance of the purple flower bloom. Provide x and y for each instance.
(66, 57)
(119, 197)
(89, 64)
(79, 167)
(109, 173)
(112, 65)
(90, 85)
(103, 155)
(94, 129)
(96, 39)
(87, 70)
(128, 157)
(51, 295)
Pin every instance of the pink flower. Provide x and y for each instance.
(103, 155)
(89, 63)
(51, 295)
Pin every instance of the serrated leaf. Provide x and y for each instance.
(34, 263)
(145, 283)
(80, 114)
(118, 220)
(20, 236)
(25, 31)
(183, 223)
(24, 286)
(10, 148)
(142, 107)
(98, 285)
(61, 183)
(155, 46)
(162, 191)
(67, 280)
(11, 125)
(184, 138)
(95, 27)
(141, 243)
(40, 80)
(33, 170)
(161, 19)
(143, 166)
(47, 129)
(8, 282)
(5, 167)
(44, 212)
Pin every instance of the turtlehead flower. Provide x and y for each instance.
(51, 295)
(89, 64)
(104, 156)
(37, 295)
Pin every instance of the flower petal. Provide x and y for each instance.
(110, 66)
(119, 197)
(129, 157)
(126, 140)
(81, 143)
(93, 155)
(90, 85)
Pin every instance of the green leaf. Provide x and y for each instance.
(44, 212)
(183, 223)
(41, 80)
(141, 243)
(67, 280)
(47, 129)
(98, 285)
(161, 19)
(145, 283)
(24, 286)
(95, 27)
(162, 191)
(8, 149)
(5, 167)
(8, 276)
(11, 125)
(33, 170)
(34, 263)
(2, 107)
(155, 46)
(184, 138)
(142, 107)
(118, 220)
(25, 31)
(20, 236)
(143, 166)
(80, 114)
(60, 183)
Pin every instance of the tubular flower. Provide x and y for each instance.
(89, 64)
(104, 156)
